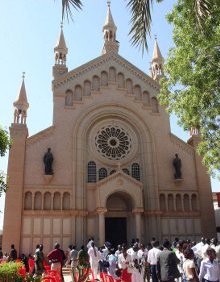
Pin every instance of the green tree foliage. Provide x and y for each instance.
(4, 145)
(192, 83)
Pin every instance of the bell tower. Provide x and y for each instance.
(16, 165)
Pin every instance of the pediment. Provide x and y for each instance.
(102, 63)
(120, 178)
(119, 182)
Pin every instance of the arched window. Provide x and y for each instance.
(96, 83)
(154, 104)
(78, 93)
(137, 92)
(112, 171)
(125, 170)
(146, 98)
(104, 78)
(37, 201)
(121, 80)
(28, 201)
(87, 88)
(102, 173)
(69, 98)
(47, 201)
(135, 170)
(66, 201)
(56, 201)
(129, 86)
(91, 172)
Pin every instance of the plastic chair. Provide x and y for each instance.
(48, 278)
(31, 265)
(102, 276)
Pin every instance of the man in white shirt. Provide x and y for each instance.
(152, 260)
(210, 268)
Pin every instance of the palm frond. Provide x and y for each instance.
(67, 5)
(202, 10)
(140, 21)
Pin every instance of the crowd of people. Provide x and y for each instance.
(180, 261)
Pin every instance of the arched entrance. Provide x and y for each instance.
(118, 218)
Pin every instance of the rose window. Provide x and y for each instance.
(113, 142)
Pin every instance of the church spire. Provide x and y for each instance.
(109, 29)
(157, 62)
(21, 104)
(60, 49)
(60, 52)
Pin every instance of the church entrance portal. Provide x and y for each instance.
(116, 230)
(118, 219)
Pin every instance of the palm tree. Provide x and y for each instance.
(141, 16)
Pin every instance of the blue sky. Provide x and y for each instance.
(29, 31)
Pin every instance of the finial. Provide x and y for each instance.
(108, 3)
(155, 36)
(61, 24)
(23, 75)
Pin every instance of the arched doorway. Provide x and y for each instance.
(118, 218)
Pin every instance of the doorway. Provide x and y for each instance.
(116, 230)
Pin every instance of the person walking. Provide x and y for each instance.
(152, 259)
(13, 253)
(94, 258)
(38, 260)
(57, 258)
(189, 267)
(167, 264)
(210, 268)
(124, 264)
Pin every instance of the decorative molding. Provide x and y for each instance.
(97, 62)
(55, 213)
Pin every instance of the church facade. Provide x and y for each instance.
(109, 166)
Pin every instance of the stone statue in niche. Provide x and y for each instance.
(177, 165)
(48, 161)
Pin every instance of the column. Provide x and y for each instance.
(101, 213)
(137, 212)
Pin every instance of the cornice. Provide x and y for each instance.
(97, 62)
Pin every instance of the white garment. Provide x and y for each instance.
(94, 257)
(130, 251)
(197, 249)
(217, 250)
(209, 270)
(204, 250)
(89, 244)
(123, 262)
(153, 256)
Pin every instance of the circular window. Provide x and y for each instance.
(113, 142)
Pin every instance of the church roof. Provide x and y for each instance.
(22, 102)
(109, 22)
(156, 52)
(61, 44)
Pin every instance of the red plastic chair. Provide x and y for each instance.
(31, 265)
(48, 278)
